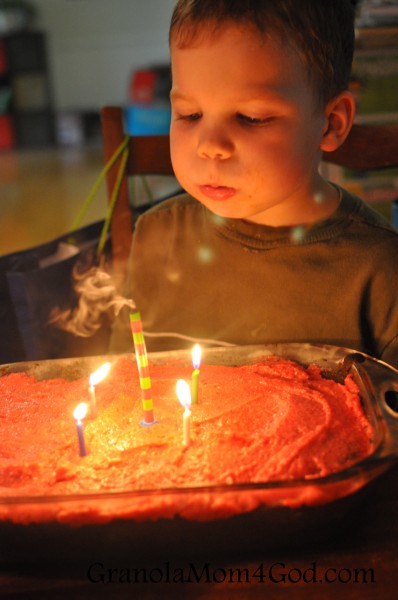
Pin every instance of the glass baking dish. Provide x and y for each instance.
(269, 513)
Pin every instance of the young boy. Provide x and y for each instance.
(261, 248)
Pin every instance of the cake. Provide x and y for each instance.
(254, 426)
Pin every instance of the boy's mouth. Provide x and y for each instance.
(217, 192)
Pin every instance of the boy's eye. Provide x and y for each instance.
(253, 120)
(190, 117)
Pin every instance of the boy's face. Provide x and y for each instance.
(246, 128)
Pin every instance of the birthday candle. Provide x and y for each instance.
(94, 379)
(196, 355)
(79, 413)
(143, 367)
(184, 396)
(93, 402)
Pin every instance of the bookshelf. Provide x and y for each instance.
(26, 113)
(375, 86)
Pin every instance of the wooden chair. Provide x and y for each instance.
(147, 155)
(367, 148)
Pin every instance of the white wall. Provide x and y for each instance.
(95, 45)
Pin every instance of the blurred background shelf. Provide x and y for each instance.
(27, 109)
(375, 86)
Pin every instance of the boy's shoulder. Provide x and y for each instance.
(359, 214)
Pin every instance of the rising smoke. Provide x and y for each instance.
(98, 302)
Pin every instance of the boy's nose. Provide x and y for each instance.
(214, 145)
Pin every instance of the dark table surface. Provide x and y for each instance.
(358, 562)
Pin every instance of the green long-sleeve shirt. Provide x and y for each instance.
(229, 280)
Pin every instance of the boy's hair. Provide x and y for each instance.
(322, 31)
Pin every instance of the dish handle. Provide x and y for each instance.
(380, 382)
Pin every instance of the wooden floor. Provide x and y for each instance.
(42, 191)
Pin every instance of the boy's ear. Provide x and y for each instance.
(339, 113)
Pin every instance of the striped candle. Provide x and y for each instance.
(143, 367)
(196, 355)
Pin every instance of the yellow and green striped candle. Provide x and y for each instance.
(143, 367)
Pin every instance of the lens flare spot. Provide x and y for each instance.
(319, 198)
(297, 234)
(173, 276)
(205, 254)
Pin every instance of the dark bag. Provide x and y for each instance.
(35, 281)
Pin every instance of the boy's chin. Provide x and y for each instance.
(230, 212)
(226, 214)
(224, 209)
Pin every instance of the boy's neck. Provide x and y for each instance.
(313, 207)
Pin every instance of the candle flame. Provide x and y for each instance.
(184, 393)
(100, 374)
(196, 356)
(80, 411)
